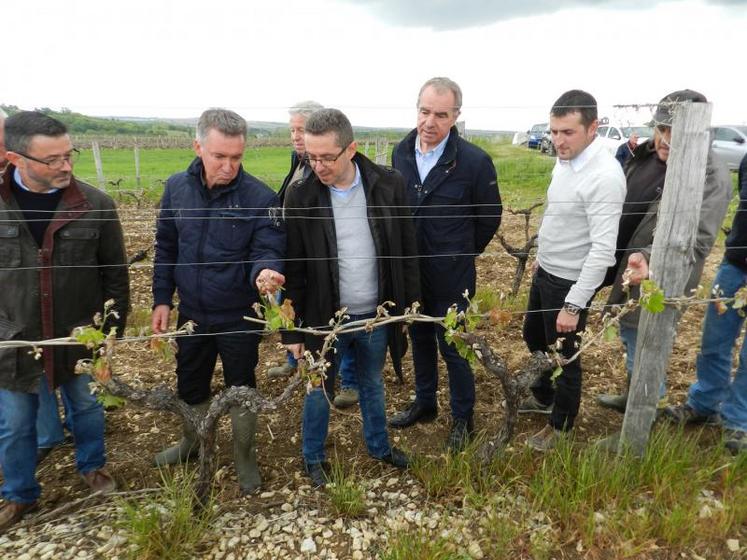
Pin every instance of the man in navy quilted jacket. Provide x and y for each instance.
(219, 243)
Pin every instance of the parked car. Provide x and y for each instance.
(612, 135)
(547, 147)
(535, 135)
(730, 143)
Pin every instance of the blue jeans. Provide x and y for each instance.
(18, 413)
(49, 427)
(629, 335)
(348, 378)
(715, 391)
(369, 352)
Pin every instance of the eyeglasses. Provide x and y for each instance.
(324, 161)
(54, 162)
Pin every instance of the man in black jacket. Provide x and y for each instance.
(62, 257)
(453, 193)
(218, 237)
(350, 245)
(716, 397)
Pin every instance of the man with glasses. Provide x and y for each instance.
(645, 173)
(452, 191)
(220, 243)
(350, 238)
(62, 256)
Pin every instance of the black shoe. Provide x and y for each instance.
(318, 473)
(42, 453)
(396, 458)
(416, 412)
(460, 435)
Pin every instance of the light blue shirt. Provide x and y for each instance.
(19, 182)
(428, 160)
(344, 193)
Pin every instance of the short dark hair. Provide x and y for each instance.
(331, 120)
(23, 126)
(576, 101)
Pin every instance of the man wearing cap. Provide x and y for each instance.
(715, 396)
(645, 174)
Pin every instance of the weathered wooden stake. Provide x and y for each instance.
(670, 267)
(97, 160)
(137, 164)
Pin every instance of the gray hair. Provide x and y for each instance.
(304, 108)
(3, 114)
(331, 120)
(442, 85)
(223, 120)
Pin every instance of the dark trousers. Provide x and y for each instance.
(427, 341)
(196, 357)
(548, 292)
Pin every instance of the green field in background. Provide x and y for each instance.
(269, 164)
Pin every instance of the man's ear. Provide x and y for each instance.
(14, 158)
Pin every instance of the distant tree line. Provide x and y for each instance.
(79, 124)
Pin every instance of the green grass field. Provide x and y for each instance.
(270, 164)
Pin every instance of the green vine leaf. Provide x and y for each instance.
(652, 297)
(610, 333)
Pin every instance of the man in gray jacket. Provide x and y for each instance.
(645, 173)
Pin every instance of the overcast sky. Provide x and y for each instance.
(369, 57)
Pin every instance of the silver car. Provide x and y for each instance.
(730, 143)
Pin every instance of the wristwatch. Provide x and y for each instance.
(571, 309)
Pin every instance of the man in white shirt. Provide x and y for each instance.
(576, 244)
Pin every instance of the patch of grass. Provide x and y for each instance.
(420, 544)
(347, 496)
(654, 498)
(168, 524)
(490, 298)
(461, 474)
(138, 321)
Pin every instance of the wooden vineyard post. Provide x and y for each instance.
(137, 164)
(670, 267)
(97, 160)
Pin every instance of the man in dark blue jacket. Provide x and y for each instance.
(453, 194)
(717, 397)
(218, 236)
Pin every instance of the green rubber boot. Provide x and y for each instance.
(244, 424)
(187, 448)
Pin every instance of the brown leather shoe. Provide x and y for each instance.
(100, 481)
(12, 512)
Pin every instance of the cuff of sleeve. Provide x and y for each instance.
(162, 297)
(575, 297)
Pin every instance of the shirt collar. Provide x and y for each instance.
(580, 161)
(357, 181)
(19, 182)
(437, 151)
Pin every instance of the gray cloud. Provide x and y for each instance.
(458, 14)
